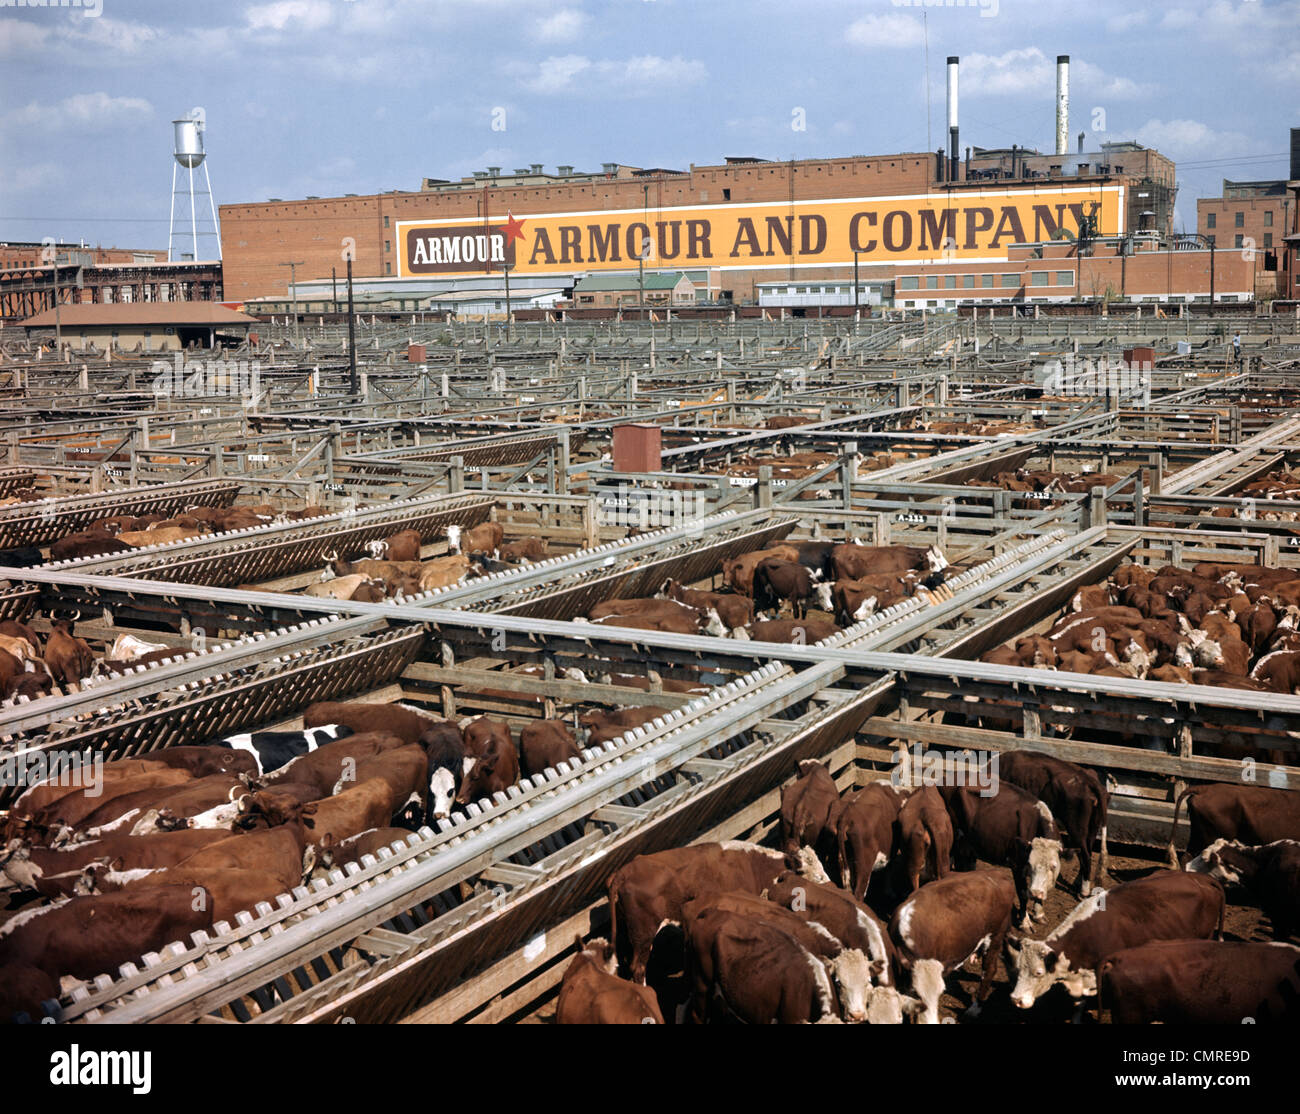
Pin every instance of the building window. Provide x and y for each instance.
(1268, 239)
(968, 281)
(1236, 240)
(726, 194)
(950, 282)
(1268, 218)
(385, 222)
(932, 282)
(1239, 220)
(1039, 278)
(908, 282)
(1210, 219)
(1010, 280)
(1064, 278)
(986, 281)
(388, 245)
(388, 268)
(1211, 239)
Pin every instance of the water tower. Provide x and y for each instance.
(187, 148)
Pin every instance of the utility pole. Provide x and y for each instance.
(293, 290)
(352, 336)
(505, 267)
(58, 329)
(334, 288)
(857, 301)
(1211, 278)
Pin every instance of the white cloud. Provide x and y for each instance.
(627, 76)
(554, 75)
(650, 70)
(893, 29)
(29, 177)
(22, 38)
(1176, 138)
(300, 15)
(1029, 71)
(79, 111)
(564, 26)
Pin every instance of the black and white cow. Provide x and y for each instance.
(273, 749)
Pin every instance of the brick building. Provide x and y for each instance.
(1252, 217)
(257, 238)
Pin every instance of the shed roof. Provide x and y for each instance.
(129, 314)
(654, 281)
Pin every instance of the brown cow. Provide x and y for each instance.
(64, 871)
(1168, 905)
(546, 743)
(525, 549)
(848, 920)
(799, 632)
(809, 807)
(865, 834)
(484, 539)
(1200, 982)
(591, 994)
(90, 936)
(1253, 814)
(734, 609)
(490, 769)
(68, 658)
(652, 890)
(323, 768)
(403, 720)
(925, 838)
(1270, 872)
(738, 572)
(760, 972)
(604, 726)
(851, 561)
(944, 924)
(402, 546)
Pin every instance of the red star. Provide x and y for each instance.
(514, 228)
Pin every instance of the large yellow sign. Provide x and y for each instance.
(967, 226)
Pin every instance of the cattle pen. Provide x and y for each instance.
(932, 436)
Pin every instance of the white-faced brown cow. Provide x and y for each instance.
(1076, 796)
(1169, 905)
(1269, 872)
(1011, 828)
(944, 924)
(849, 921)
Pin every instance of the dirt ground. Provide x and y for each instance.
(1243, 922)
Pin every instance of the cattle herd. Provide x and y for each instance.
(877, 897)
(392, 568)
(243, 819)
(867, 908)
(847, 581)
(1225, 625)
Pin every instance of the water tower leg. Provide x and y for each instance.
(194, 222)
(212, 205)
(171, 221)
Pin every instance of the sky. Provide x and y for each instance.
(324, 97)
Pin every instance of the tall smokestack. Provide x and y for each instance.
(953, 149)
(1062, 103)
